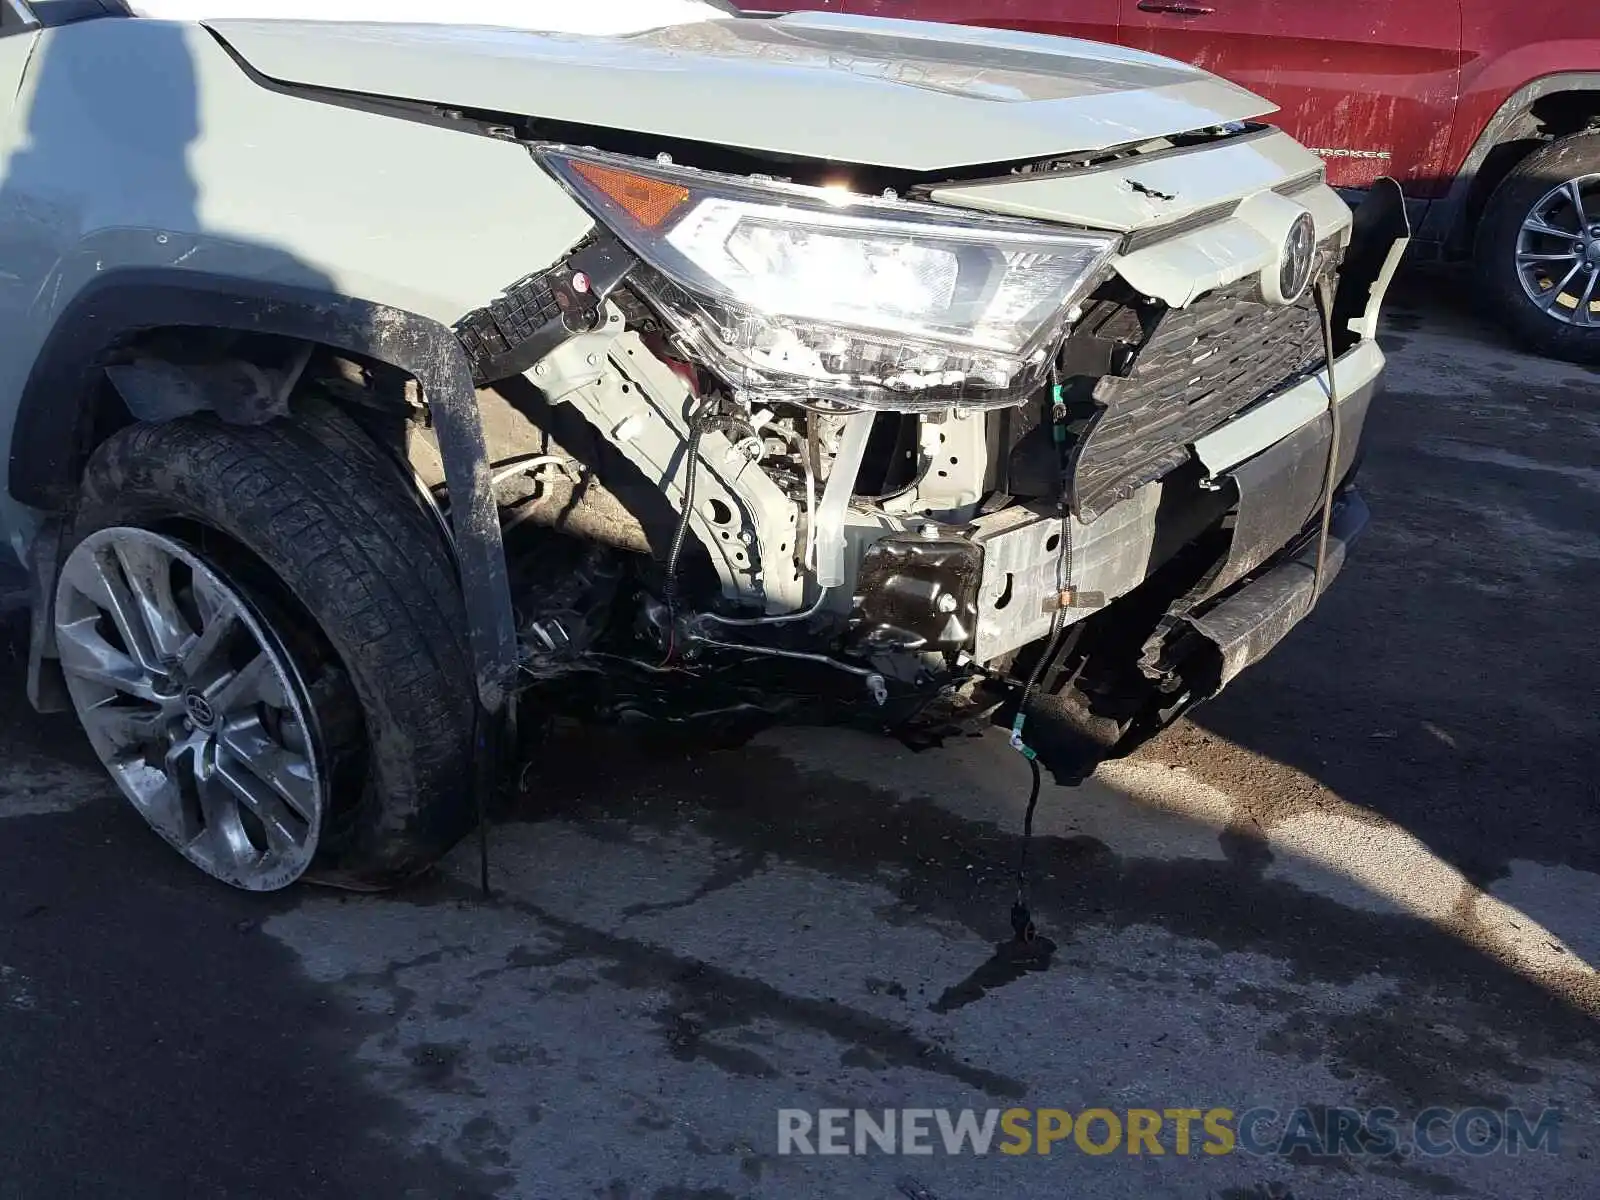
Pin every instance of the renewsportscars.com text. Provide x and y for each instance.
(1433, 1132)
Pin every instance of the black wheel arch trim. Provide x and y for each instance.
(1446, 218)
(49, 447)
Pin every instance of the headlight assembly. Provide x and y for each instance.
(813, 293)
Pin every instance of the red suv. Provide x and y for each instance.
(1486, 111)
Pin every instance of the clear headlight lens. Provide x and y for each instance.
(816, 293)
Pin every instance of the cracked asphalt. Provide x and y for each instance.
(1367, 875)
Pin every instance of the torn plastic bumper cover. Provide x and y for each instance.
(1257, 596)
(1257, 614)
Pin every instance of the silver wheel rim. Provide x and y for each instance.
(1558, 253)
(192, 705)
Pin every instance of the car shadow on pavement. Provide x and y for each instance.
(158, 1041)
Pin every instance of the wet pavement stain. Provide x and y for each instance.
(1264, 1191)
(1430, 1183)
(756, 802)
(887, 987)
(1010, 962)
(686, 1038)
(736, 870)
(436, 1066)
(483, 1143)
(708, 997)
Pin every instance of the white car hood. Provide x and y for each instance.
(595, 17)
(902, 94)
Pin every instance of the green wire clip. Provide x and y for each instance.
(1058, 410)
(1017, 744)
(1058, 432)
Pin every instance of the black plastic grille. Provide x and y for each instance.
(1198, 367)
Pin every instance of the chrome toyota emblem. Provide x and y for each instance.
(1299, 259)
(199, 710)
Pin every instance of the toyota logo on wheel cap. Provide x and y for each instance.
(199, 710)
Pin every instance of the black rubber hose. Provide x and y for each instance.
(680, 535)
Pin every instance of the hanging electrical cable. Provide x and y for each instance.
(698, 424)
(1021, 917)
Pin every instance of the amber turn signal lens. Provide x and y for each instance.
(648, 201)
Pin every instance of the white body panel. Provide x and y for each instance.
(141, 144)
(603, 17)
(913, 96)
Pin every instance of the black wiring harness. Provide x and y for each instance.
(1330, 474)
(700, 421)
(1021, 918)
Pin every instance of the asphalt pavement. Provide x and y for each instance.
(1367, 876)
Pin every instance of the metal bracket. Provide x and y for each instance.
(638, 404)
(957, 452)
(1378, 242)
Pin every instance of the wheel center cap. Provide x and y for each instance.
(1592, 252)
(199, 711)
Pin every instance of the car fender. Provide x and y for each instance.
(147, 180)
(54, 434)
(143, 147)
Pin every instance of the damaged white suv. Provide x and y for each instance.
(365, 382)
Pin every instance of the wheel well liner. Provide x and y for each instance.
(55, 416)
(1449, 221)
(52, 438)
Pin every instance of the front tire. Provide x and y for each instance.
(1539, 250)
(349, 754)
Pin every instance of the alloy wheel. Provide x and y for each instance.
(193, 706)
(1558, 252)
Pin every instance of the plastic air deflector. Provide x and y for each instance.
(836, 499)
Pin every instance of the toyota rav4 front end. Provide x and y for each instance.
(803, 367)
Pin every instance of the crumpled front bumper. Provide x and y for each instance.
(1258, 613)
(1269, 463)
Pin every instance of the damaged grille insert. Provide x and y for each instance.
(1197, 367)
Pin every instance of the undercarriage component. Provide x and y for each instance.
(565, 591)
(877, 686)
(916, 593)
(567, 496)
(239, 391)
(1021, 587)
